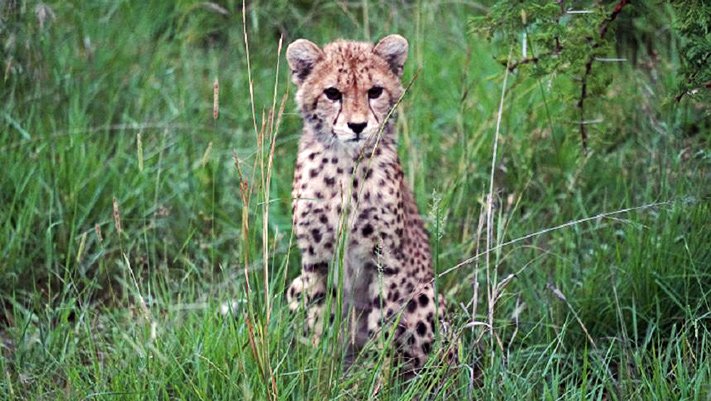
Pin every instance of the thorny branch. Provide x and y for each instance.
(691, 78)
(588, 68)
(604, 26)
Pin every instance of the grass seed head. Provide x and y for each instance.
(215, 99)
(117, 216)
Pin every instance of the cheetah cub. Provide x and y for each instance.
(349, 186)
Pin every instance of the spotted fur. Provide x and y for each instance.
(349, 184)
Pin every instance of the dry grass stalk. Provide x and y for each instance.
(206, 155)
(475, 280)
(249, 67)
(274, 122)
(97, 230)
(142, 306)
(117, 216)
(244, 195)
(559, 294)
(216, 100)
(82, 246)
(139, 150)
(491, 277)
(258, 335)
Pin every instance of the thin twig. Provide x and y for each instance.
(528, 60)
(551, 229)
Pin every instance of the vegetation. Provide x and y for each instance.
(692, 22)
(131, 217)
(572, 38)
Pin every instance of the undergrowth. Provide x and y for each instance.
(145, 245)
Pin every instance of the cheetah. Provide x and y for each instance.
(349, 183)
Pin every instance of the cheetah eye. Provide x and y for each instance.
(333, 94)
(375, 92)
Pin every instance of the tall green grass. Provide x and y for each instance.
(126, 226)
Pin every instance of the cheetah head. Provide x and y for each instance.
(347, 89)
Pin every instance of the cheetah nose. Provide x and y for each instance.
(357, 127)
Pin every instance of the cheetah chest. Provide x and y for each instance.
(339, 199)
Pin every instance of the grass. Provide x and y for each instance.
(125, 225)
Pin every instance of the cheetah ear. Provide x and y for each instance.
(302, 55)
(393, 48)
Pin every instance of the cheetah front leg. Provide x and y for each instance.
(308, 291)
(413, 307)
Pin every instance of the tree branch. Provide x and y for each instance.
(605, 24)
(588, 69)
